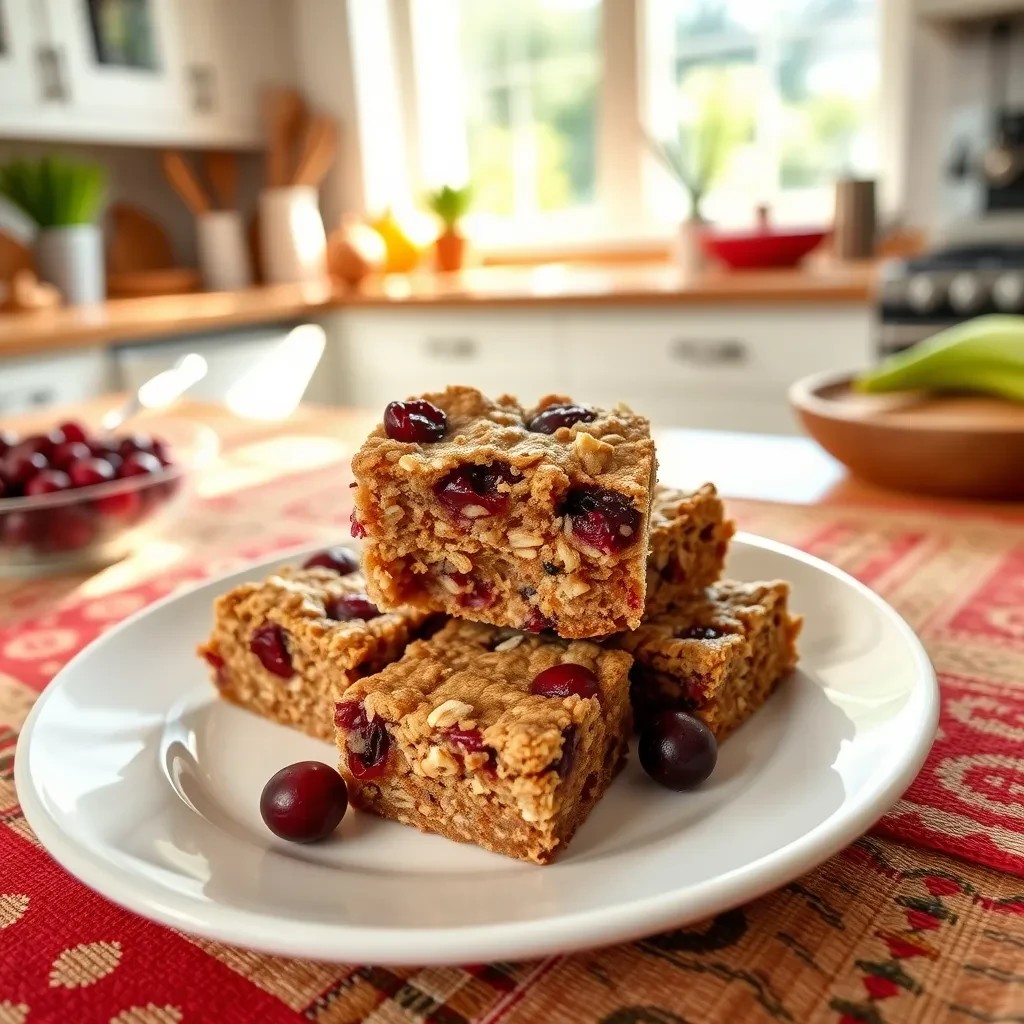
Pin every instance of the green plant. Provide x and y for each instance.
(52, 191)
(718, 118)
(450, 204)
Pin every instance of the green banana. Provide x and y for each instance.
(985, 354)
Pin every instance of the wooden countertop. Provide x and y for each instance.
(121, 320)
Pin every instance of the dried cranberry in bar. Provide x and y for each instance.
(486, 735)
(533, 518)
(287, 647)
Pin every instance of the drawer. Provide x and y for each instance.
(40, 381)
(392, 355)
(750, 350)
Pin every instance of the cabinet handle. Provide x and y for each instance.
(201, 79)
(697, 352)
(51, 71)
(451, 348)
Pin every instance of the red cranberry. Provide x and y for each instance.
(699, 633)
(417, 420)
(139, 464)
(357, 528)
(605, 520)
(69, 529)
(563, 680)
(47, 481)
(87, 472)
(213, 659)
(73, 431)
(536, 622)
(480, 595)
(304, 802)
(269, 645)
(368, 747)
(3, 488)
(472, 491)
(548, 420)
(125, 505)
(43, 443)
(8, 439)
(22, 463)
(472, 742)
(135, 443)
(349, 714)
(351, 606)
(677, 750)
(341, 560)
(68, 452)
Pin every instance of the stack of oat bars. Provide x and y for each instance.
(526, 591)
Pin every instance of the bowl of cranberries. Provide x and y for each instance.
(71, 497)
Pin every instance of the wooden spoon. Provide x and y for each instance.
(222, 173)
(184, 182)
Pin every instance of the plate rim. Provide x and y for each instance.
(570, 932)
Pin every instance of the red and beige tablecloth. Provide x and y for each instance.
(922, 920)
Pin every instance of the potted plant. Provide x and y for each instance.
(450, 205)
(715, 119)
(62, 197)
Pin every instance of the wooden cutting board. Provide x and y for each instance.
(137, 241)
(14, 256)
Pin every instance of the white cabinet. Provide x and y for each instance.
(392, 354)
(709, 367)
(684, 366)
(24, 74)
(39, 381)
(157, 72)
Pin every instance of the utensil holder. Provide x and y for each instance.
(223, 253)
(71, 259)
(293, 245)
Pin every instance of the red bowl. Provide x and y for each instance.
(761, 249)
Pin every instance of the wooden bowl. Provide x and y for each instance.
(954, 446)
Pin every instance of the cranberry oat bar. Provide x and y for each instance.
(689, 540)
(719, 656)
(287, 647)
(488, 736)
(534, 519)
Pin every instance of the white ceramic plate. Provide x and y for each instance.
(146, 787)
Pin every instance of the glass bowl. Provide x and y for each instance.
(89, 527)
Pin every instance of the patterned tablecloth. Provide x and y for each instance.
(921, 920)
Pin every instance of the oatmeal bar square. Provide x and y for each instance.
(720, 655)
(488, 736)
(689, 540)
(530, 518)
(287, 647)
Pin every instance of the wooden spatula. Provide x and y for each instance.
(222, 173)
(184, 182)
(318, 151)
(283, 111)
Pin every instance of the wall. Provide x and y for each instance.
(134, 176)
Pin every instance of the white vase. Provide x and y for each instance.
(223, 253)
(71, 259)
(293, 245)
(686, 249)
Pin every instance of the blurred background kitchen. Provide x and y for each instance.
(685, 204)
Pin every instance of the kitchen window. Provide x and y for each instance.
(543, 104)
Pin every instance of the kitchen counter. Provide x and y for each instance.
(553, 284)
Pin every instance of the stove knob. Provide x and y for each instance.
(923, 294)
(966, 293)
(1008, 292)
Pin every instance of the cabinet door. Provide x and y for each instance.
(392, 355)
(27, 72)
(123, 62)
(40, 381)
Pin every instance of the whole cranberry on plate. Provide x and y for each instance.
(304, 802)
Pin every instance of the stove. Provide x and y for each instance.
(921, 296)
